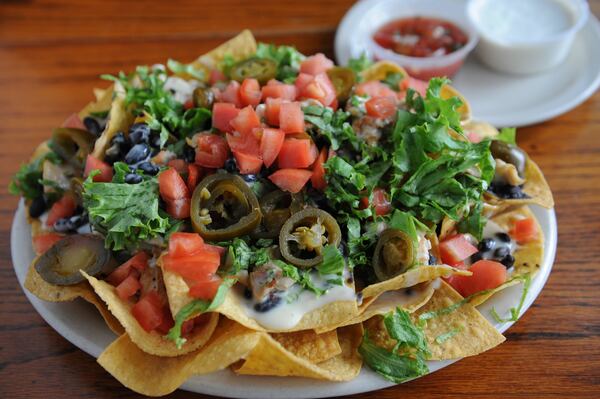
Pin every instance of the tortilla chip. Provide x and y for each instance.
(269, 357)
(465, 109)
(380, 70)
(150, 342)
(528, 256)
(119, 121)
(240, 47)
(473, 334)
(411, 278)
(65, 293)
(156, 376)
(482, 129)
(409, 299)
(334, 313)
(103, 102)
(309, 345)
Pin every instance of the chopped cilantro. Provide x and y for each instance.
(359, 64)
(189, 69)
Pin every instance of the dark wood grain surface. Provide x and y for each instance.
(51, 53)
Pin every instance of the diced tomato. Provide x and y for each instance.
(246, 121)
(193, 268)
(295, 153)
(128, 287)
(455, 249)
(314, 152)
(270, 145)
(212, 151)
(302, 80)
(179, 208)
(193, 177)
(215, 248)
(247, 163)
(486, 275)
(320, 89)
(275, 89)
(222, 115)
(420, 86)
(171, 185)
(381, 202)
(291, 180)
(167, 323)
(316, 64)
(250, 93)
(62, 208)
(381, 107)
(74, 122)
(136, 264)
(317, 178)
(205, 289)
(291, 118)
(216, 76)
(183, 244)
(189, 104)
(93, 163)
(148, 311)
(231, 94)
(43, 242)
(525, 230)
(247, 143)
(187, 327)
(374, 88)
(179, 165)
(272, 109)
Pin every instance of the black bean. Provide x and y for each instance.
(508, 261)
(37, 207)
(268, 304)
(148, 168)
(62, 225)
(230, 165)
(189, 154)
(486, 244)
(133, 178)
(250, 178)
(119, 138)
(92, 125)
(77, 220)
(503, 237)
(247, 293)
(139, 133)
(501, 252)
(477, 256)
(113, 154)
(138, 153)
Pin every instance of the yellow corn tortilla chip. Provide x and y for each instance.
(411, 278)
(156, 376)
(333, 313)
(483, 129)
(269, 357)
(409, 299)
(528, 256)
(119, 121)
(103, 102)
(309, 345)
(240, 47)
(465, 109)
(150, 342)
(380, 70)
(473, 334)
(56, 293)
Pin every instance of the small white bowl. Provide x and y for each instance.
(526, 53)
(382, 12)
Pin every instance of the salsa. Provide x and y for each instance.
(421, 37)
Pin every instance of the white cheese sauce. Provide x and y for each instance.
(517, 21)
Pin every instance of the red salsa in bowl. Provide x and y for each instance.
(421, 37)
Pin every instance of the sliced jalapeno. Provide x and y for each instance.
(343, 80)
(72, 145)
(203, 97)
(224, 207)
(261, 69)
(393, 254)
(304, 235)
(277, 207)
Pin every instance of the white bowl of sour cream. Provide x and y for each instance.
(526, 36)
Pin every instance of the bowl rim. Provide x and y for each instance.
(582, 14)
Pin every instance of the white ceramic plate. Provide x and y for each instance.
(80, 323)
(500, 99)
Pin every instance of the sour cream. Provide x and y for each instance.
(516, 21)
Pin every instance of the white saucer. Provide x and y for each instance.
(503, 99)
(80, 323)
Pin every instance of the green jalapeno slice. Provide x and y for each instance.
(394, 254)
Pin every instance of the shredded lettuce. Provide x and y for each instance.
(508, 135)
(28, 181)
(288, 60)
(515, 311)
(407, 359)
(359, 64)
(189, 69)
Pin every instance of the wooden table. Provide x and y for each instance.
(51, 53)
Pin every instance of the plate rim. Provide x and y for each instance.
(203, 385)
(533, 118)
